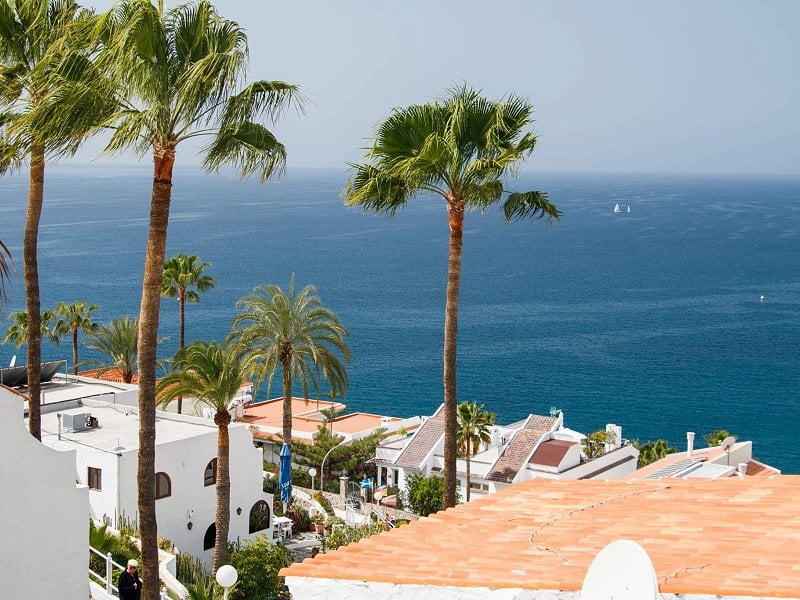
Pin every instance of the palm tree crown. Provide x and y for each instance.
(296, 333)
(118, 342)
(212, 374)
(183, 278)
(460, 149)
(71, 319)
(17, 332)
(474, 429)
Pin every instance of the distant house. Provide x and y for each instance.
(735, 538)
(45, 514)
(97, 422)
(538, 447)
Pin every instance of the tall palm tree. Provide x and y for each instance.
(118, 342)
(5, 270)
(72, 318)
(212, 374)
(461, 149)
(181, 274)
(296, 333)
(473, 430)
(179, 77)
(17, 333)
(35, 38)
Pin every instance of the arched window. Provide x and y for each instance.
(210, 475)
(210, 538)
(163, 485)
(259, 516)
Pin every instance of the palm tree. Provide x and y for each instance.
(118, 342)
(296, 333)
(212, 374)
(72, 318)
(17, 333)
(179, 77)
(35, 38)
(461, 149)
(5, 270)
(653, 451)
(473, 430)
(181, 274)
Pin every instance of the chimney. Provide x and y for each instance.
(741, 469)
(689, 443)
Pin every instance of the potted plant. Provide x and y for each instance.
(318, 523)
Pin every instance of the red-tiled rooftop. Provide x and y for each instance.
(735, 536)
(424, 440)
(112, 374)
(520, 447)
(551, 452)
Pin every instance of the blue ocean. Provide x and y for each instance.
(652, 319)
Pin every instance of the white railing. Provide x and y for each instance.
(107, 581)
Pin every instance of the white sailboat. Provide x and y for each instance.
(629, 208)
(617, 208)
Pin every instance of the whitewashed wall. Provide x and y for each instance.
(45, 516)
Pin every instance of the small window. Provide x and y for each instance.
(259, 516)
(210, 538)
(163, 485)
(210, 476)
(95, 478)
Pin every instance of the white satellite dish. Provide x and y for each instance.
(620, 571)
(727, 443)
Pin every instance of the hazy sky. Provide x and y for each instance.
(618, 85)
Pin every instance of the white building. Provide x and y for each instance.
(537, 447)
(44, 514)
(106, 450)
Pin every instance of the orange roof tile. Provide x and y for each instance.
(112, 374)
(424, 440)
(551, 452)
(735, 536)
(520, 448)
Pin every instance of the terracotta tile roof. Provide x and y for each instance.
(759, 469)
(519, 448)
(112, 374)
(550, 453)
(424, 440)
(736, 536)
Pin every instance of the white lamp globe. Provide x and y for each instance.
(312, 471)
(227, 576)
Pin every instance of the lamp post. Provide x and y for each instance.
(226, 577)
(313, 472)
(322, 467)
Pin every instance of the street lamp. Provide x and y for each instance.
(226, 577)
(322, 468)
(313, 472)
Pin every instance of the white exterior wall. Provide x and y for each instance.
(45, 515)
(103, 502)
(588, 468)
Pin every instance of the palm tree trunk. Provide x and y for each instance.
(163, 160)
(75, 350)
(469, 455)
(286, 374)
(31, 265)
(181, 310)
(223, 516)
(455, 210)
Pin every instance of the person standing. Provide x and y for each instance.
(129, 584)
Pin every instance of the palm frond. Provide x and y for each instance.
(529, 205)
(249, 147)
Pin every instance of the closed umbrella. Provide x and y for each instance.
(285, 479)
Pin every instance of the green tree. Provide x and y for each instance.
(183, 279)
(594, 444)
(424, 495)
(474, 429)
(36, 39)
(179, 76)
(258, 562)
(118, 342)
(296, 333)
(212, 374)
(716, 437)
(460, 149)
(17, 332)
(653, 451)
(5, 270)
(72, 318)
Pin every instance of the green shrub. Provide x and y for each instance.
(343, 535)
(270, 485)
(190, 570)
(258, 562)
(324, 502)
(301, 521)
(424, 495)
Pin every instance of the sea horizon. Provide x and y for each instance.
(650, 319)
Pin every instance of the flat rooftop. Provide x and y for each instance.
(729, 537)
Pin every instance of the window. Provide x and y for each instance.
(210, 538)
(479, 487)
(95, 478)
(210, 476)
(259, 516)
(163, 485)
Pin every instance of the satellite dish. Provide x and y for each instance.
(620, 571)
(727, 443)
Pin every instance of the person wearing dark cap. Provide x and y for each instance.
(129, 584)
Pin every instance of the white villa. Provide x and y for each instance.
(97, 423)
(44, 514)
(537, 447)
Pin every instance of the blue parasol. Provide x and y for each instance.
(285, 479)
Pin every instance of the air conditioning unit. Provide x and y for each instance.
(75, 422)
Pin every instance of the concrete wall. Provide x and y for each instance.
(45, 515)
